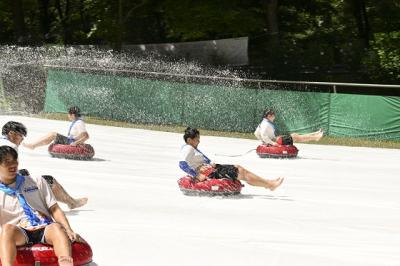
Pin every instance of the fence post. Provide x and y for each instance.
(183, 101)
(4, 105)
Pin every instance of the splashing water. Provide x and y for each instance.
(23, 69)
(224, 105)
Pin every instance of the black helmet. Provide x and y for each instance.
(268, 112)
(74, 110)
(14, 126)
(190, 133)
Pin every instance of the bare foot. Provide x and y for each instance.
(276, 183)
(319, 135)
(317, 132)
(78, 203)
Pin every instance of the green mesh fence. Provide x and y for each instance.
(222, 107)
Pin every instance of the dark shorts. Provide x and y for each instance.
(284, 140)
(49, 179)
(61, 139)
(34, 237)
(225, 171)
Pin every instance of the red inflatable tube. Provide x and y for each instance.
(210, 187)
(78, 152)
(43, 255)
(281, 151)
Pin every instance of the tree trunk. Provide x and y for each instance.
(19, 21)
(44, 19)
(272, 22)
(64, 17)
(118, 41)
(361, 16)
(82, 15)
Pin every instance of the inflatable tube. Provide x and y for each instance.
(43, 255)
(210, 187)
(281, 151)
(78, 152)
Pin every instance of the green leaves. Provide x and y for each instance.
(313, 34)
(208, 19)
(383, 60)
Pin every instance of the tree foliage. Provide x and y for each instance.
(359, 36)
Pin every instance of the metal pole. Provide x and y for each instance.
(334, 84)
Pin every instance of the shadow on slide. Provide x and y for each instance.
(82, 160)
(98, 160)
(318, 158)
(268, 197)
(76, 212)
(254, 196)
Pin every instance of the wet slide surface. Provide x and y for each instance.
(337, 205)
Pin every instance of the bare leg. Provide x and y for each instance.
(315, 136)
(42, 141)
(318, 132)
(62, 196)
(255, 180)
(10, 238)
(57, 237)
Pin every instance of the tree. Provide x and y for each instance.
(208, 19)
(286, 37)
(19, 21)
(360, 13)
(45, 20)
(272, 19)
(63, 10)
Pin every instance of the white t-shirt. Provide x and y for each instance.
(265, 132)
(193, 157)
(37, 194)
(78, 128)
(5, 142)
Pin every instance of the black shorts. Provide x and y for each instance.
(284, 140)
(49, 179)
(61, 139)
(34, 237)
(225, 171)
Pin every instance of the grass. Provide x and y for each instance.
(327, 140)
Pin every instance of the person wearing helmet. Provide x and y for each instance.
(29, 214)
(266, 132)
(197, 165)
(13, 133)
(77, 133)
